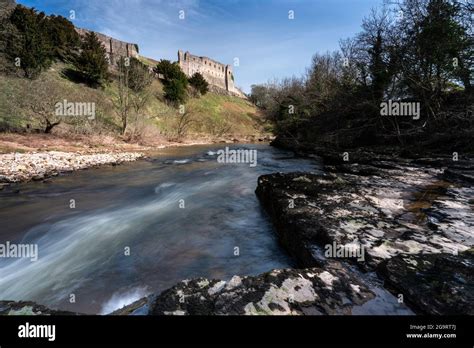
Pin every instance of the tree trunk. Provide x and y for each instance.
(124, 124)
(50, 126)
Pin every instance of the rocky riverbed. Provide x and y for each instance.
(21, 167)
(366, 227)
(410, 220)
(312, 291)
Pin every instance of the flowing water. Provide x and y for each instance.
(140, 228)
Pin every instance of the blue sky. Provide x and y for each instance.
(258, 32)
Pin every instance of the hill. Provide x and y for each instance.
(208, 118)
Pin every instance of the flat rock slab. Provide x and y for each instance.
(438, 284)
(28, 308)
(311, 291)
(381, 211)
(388, 211)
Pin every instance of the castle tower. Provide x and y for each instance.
(180, 56)
(229, 78)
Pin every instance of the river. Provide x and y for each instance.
(111, 235)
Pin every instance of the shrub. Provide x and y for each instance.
(64, 38)
(175, 91)
(198, 82)
(170, 71)
(174, 80)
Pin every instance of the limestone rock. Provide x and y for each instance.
(28, 308)
(310, 291)
(389, 210)
(436, 284)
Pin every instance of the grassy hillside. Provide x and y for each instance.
(210, 116)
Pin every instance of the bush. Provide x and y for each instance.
(174, 80)
(139, 77)
(198, 82)
(175, 91)
(170, 71)
(421, 58)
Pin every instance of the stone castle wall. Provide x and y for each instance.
(114, 48)
(219, 76)
(215, 73)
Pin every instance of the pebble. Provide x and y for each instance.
(21, 167)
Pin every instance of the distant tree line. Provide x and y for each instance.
(417, 51)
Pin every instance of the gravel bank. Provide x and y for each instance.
(19, 167)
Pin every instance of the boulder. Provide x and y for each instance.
(436, 284)
(28, 308)
(385, 210)
(311, 291)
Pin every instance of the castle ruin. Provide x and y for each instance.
(216, 74)
(115, 49)
(219, 76)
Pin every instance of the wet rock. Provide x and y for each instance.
(383, 211)
(460, 175)
(391, 210)
(280, 292)
(28, 308)
(139, 307)
(438, 284)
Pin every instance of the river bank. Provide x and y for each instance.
(23, 167)
(408, 219)
(26, 157)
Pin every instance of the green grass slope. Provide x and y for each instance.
(210, 116)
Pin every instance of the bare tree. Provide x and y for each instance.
(39, 99)
(183, 123)
(133, 92)
(122, 102)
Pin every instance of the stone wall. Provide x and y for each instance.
(215, 73)
(114, 48)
